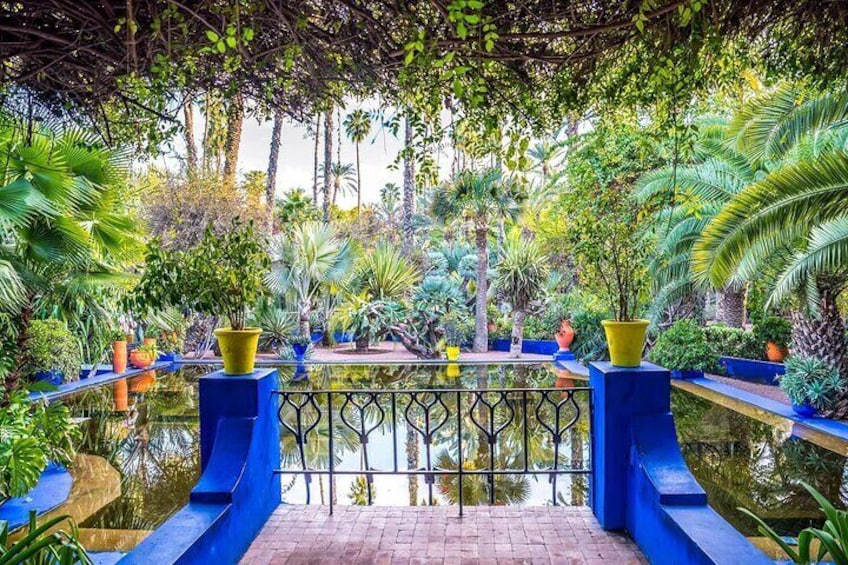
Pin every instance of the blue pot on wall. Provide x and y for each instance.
(804, 410)
(317, 337)
(53, 377)
(686, 374)
(299, 351)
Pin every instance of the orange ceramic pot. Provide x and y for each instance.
(119, 357)
(142, 383)
(775, 353)
(150, 341)
(119, 390)
(141, 359)
(565, 336)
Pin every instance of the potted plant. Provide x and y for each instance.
(51, 353)
(144, 356)
(300, 344)
(811, 384)
(223, 275)
(119, 351)
(683, 349)
(457, 331)
(775, 333)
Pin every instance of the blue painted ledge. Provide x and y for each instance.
(753, 370)
(238, 489)
(538, 346)
(96, 381)
(52, 490)
(641, 483)
(823, 425)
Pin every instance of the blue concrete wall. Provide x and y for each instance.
(753, 370)
(640, 481)
(539, 346)
(237, 490)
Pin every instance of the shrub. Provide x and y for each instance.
(734, 342)
(546, 325)
(683, 347)
(590, 342)
(809, 379)
(459, 327)
(50, 345)
(773, 329)
(368, 320)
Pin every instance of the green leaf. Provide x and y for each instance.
(212, 36)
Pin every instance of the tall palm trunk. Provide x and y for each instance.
(315, 160)
(481, 330)
(271, 187)
(412, 462)
(518, 317)
(191, 147)
(328, 161)
(235, 119)
(730, 307)
(358, 184)
(408, 191)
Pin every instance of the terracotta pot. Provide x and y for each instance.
(119, 390)
(491, 326)
(776, 353)
(142, 383)
(141, 359)
(119, 357)
(564, 380)
(565, 336)
(150, 341)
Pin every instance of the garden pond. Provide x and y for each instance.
(139, 458)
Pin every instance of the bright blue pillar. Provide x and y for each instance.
(619, 395)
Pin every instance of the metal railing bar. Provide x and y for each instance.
(437, 472)
(430, 390)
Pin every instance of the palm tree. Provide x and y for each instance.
(328, 161)
(408, 229)
(315, 159)
(295, 208)
(792, 219)
(271, 187)
(308, 262)
(388, 206)
(235, 121)
(358, 126)
(546, 156)
(698, 192)
(343, 177)
(483, 197)
(521, 277)
(66, 233)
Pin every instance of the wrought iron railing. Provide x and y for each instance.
(457, 418)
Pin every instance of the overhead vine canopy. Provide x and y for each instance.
(479, 53)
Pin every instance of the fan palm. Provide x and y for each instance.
(307, 263)
(384, 274)
(794, 218)
(483, 197)
(522, 274)
(357, 126)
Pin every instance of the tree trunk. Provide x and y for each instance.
(328, 161)
(730, 307)
(235, 118)
(517, 333)
(358, 184)
(191, 147)
(481, 330)
(315, 160)
(303, 319)
(408, 191)
(271, 187)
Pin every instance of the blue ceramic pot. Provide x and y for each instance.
(804, 410)
(317, 337)
(299, 351)
(53, 376)
(686, 374)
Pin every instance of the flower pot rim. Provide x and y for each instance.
(636, 322)
(230, 330)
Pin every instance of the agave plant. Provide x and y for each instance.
(40, 546)
(383, 273)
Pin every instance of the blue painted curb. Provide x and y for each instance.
(52, 490)
(94, 382)
(753, 370)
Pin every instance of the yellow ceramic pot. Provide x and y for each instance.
(625, 341)
(452, 352)
(238, 349)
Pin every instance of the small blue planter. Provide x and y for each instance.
(317, 337)
(343, 337)
(804, 410)
(299, 352)
(53, 377)
(538, 346)
(753, 370)
(687, 374)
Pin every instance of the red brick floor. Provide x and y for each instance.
(437, 535)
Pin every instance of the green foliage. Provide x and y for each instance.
(295, 208)
(368, 320)
(734, 342)
(43, 544)
(522, 271)
(832, 536)
(808, 379)
(223, 275)
(31, 435)
(49, 345)
(383, 273)
(684, 347)
(276, 323)
(459, 327)
(422, 327)
(297, 338)
(548, 323)
(773, 329)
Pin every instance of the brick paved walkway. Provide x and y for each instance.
(436, 535)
